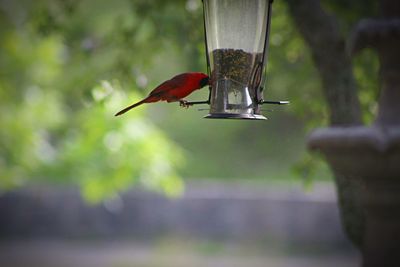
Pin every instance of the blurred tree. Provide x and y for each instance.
(63, 64)
(326, 36)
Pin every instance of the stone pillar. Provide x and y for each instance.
(371, 155)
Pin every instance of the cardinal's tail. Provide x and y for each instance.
(131, 107)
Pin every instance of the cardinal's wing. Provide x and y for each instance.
(174, 83)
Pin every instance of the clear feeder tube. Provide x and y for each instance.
(236, 32)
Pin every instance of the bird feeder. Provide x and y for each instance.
(236, 40)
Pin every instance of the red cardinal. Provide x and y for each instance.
(175, 89)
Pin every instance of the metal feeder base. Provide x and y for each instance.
(235, 116)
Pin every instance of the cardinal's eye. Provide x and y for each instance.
(204, 81)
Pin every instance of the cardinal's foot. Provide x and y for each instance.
(184, 103)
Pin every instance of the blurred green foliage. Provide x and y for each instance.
(63, 66)
(67, 66)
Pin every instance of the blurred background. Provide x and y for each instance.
(159, 186)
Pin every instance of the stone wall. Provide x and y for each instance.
(207, 210)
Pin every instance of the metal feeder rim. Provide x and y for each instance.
(235, 116)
